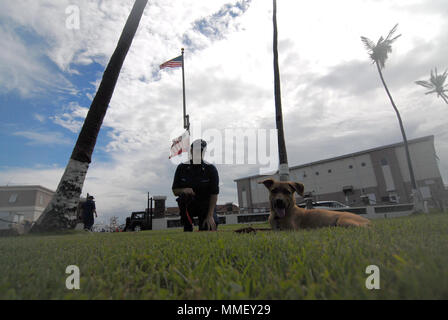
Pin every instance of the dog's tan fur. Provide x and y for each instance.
(297, 218)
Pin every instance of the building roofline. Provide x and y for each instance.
(349, 155)
(22, 187)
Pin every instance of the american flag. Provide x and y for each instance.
(180, 145)
(173, 63)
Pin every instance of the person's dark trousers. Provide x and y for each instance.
(190, 208)
(186, 220)
(88, 224)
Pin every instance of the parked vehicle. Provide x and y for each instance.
(139, 221)
(329, 205)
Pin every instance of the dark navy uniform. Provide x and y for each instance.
(88, 209)
(204, 180)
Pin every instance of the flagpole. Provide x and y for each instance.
(186, 117)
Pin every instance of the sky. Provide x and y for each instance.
(54, 53)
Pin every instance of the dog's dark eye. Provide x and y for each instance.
(274, 190)
(284, 191)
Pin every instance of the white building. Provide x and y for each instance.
(375, 176)
(19, 204)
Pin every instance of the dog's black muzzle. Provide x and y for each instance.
(279, 207)
(279, 204)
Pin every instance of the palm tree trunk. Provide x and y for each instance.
(61, 213)
(406, 147)
(283, 157)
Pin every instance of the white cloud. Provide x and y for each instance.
(72, 118)
(22, 69)
(43, 138)
(40, 117)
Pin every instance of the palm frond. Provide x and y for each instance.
(445, 74)
(436, 83)
(425, 84)
(445, 98)
(392, 31)
(438, 80)
(379, 52)
(433, 75)
(380, 40)
(369, 44)
(392, 40)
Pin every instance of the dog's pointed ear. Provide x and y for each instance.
(298, 187)
(267, 182)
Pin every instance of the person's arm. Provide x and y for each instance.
(179, 187)
(178, 191)
(211, 210)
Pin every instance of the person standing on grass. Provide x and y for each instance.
(196, 184)
(88, 209)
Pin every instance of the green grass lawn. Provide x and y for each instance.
(330, 263)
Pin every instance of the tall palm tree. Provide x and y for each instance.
(283, 157)
(436, 84)
(379, 53)
(60, 213)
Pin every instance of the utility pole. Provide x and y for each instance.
(149, 210)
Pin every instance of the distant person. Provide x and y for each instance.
(309, 203)
(88, 209)
(196, 184)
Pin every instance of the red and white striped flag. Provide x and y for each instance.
(180, 145)
(173, 63)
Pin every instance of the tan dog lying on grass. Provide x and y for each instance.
(286, 215)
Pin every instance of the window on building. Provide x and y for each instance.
(13, 198)
(363, 164)
(350, 166)
(18, 218)
(304, 174)
(244, 197)
(393, 197)
(317, 173)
